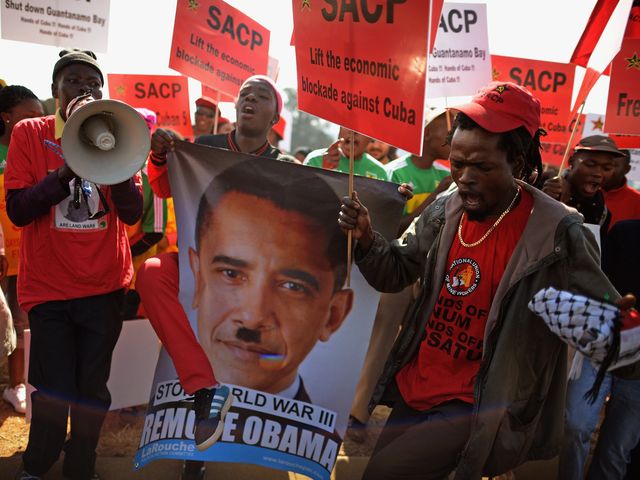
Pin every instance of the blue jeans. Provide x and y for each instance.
(619, 433)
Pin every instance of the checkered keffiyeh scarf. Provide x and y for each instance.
(591, 326)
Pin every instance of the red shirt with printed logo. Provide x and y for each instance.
(63, 254)
(449, 357)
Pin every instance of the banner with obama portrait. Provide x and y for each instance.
(263, 268)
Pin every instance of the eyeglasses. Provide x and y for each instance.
(205, 113)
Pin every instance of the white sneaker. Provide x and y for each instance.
(16, 396)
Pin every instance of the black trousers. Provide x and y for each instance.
(69, 362)
(420, 445)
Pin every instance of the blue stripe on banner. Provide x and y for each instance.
(229, 452)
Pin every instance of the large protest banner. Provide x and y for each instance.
(550, 82)
(262, 272)
(460, 63)
(217, 44)
(623, 105)
(363, 67)
(61, 23)
(167, 95)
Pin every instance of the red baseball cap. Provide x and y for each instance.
(503, 106)
(207, 102)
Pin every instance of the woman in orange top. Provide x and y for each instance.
(16, 103)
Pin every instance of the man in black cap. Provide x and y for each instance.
(72, 277)
(591, 164)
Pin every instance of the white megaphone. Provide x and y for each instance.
(105, 141)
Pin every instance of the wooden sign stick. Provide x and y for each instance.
(350, 232)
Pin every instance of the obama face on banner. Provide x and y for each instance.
(269, 268)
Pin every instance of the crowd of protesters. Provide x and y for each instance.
(485, 226)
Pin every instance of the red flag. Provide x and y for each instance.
(623, 105)
(593, 31)
(590, 78)
(600, 43)
(436, 11)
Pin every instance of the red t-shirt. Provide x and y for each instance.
(63, 255)
(449, 357)
(623, 203)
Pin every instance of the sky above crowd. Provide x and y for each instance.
(140, 40)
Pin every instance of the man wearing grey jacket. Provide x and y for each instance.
(477, 381)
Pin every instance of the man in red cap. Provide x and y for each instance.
(206, 111)
(476, 380)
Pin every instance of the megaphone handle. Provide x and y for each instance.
(77, 192)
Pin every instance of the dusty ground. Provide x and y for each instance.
(121, 430)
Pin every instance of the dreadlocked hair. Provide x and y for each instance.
(515, 143)
(11, 96)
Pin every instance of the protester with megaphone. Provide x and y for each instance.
(257, 110)
(73, 272)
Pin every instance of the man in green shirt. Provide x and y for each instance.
(336, 157)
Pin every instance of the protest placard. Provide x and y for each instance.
(167, 95)
(213, 93)
(550, 82)
(363, 67)
(262, 275)
(460, 63)
(218, 45)
(273, 69)
(623, 105)
(61, 23)
(552, 153)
